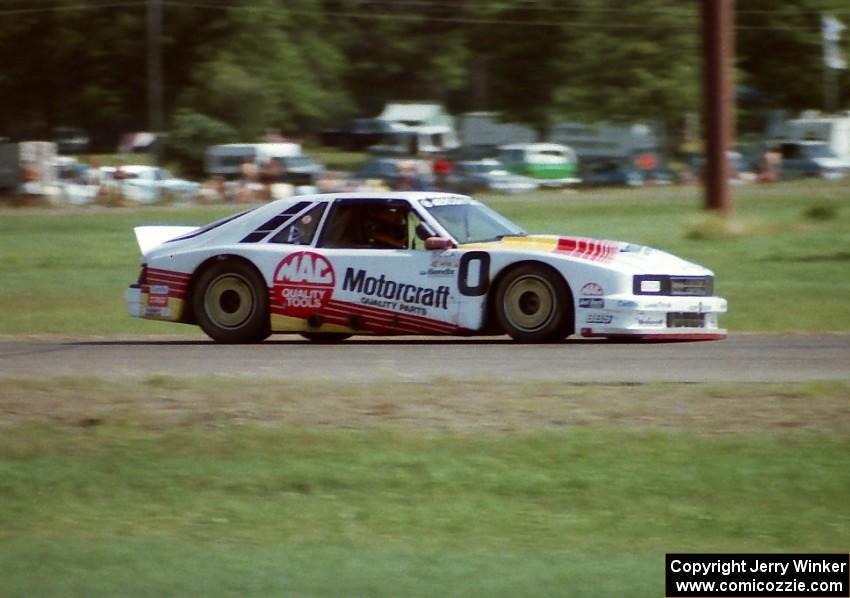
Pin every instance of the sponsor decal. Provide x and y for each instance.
(442, 266)
(658, 305)
(698, 307)
(164, 284)
(158, 296)
(157, 300)
(303, 283)
(592, 289)
(651, 321)
(439, 272)
(599, 318)
(593, 303)
(445, 201)
(392, 294)
(157, 312)
(625, 303)
(444, 260)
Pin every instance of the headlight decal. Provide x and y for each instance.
(682, 286)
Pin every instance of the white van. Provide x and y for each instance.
(832, 130)
(414, 141)
(225, 160)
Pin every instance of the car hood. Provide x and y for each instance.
(833, 163)
(618, 255)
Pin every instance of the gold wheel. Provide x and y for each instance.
(529, 303)
(229, 301)
(533, 304)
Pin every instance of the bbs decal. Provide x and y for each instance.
(478, 263)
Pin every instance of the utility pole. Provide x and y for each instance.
(833, 60)
(156, 123)
(719, 101)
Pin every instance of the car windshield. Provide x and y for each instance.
(298, 161)
(468, 221)
(819, 150)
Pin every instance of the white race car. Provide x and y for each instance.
(331, 266)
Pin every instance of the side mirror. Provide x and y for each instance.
(438, 244)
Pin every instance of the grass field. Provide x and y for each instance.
(181, 486)
(782, 263)
(242, 487)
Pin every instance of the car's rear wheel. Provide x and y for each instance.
(533, 305)
(326, 337)
(231, 303)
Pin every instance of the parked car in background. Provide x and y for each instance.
(396, 173)
(414, 142)
(487, 174)
(71, 140)
(300, 170)
(802, 159)
(226, 160)
(473, 152)
(360, 134)
(147, 184)
(27, 167)
(378, 169)
(610, 173)
(551, 164)
(742, 168)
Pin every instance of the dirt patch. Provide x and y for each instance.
(162, 402)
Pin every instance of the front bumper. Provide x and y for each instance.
(651, 317)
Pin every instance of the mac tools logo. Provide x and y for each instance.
(303, 283)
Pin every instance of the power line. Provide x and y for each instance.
(689, 20)
(75, 7)
(690, 25)
(416, 17)
(527, 6)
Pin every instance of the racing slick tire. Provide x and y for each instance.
(325, 338)
(231, 303)
(534, 305)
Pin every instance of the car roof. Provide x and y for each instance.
(367, 196)
(534, 146)
(412, 196)
(129, 168)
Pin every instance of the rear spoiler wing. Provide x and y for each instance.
(150, 237)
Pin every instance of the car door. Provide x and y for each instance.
(384, 281)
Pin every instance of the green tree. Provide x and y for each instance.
(631, 61)
(780, 52)
(270, 68)
(399, 50)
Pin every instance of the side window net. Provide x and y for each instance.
(301, 230)
(271, 225)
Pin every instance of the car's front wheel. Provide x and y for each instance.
(231, 303)
(534, 305)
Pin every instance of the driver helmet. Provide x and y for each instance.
(388, 227)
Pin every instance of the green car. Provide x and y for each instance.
(550, 164)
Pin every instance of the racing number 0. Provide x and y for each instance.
(465, 286)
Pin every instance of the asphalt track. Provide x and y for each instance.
(740, 358)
